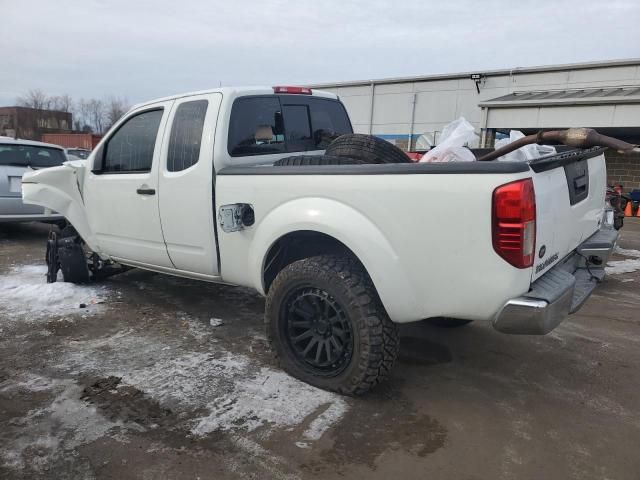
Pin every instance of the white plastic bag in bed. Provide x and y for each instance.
(523, 154)
(451, 146)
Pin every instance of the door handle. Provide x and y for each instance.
(146, 191)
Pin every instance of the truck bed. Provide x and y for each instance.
(423, 230)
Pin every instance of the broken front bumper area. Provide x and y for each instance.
(559, 292)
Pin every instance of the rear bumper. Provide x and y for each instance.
(12, 209)
(44, 217)
(559, 292)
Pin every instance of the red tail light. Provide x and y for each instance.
(294, 90)
(514, 222)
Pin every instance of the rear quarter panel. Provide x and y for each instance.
(424, 239)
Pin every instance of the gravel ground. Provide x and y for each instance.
(160, 377)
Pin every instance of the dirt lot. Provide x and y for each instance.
(160, 377)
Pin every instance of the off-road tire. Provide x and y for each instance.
(301, 160)
(375, 336)
(448, 322)
(367, 149)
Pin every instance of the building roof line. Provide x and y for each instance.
(580, 96)
(488, 73)
(21, 107)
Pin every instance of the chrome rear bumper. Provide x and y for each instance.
(530, 316)
(559, 292)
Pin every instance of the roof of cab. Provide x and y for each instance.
(33, 143)
(235, 92)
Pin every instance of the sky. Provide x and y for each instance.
(146, 49)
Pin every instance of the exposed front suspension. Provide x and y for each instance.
(67, 254)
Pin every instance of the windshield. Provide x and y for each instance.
(30, 156)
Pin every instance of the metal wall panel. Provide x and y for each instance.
(442, 99)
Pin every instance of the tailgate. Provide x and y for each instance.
(570, 190)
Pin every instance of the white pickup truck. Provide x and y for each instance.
(344, 246)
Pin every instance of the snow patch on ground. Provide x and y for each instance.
(25, 292)
(53, 431)
(322, 422)
(30, 382)
(236, 394)
(615, 267)
(627, 252)
(271, 398)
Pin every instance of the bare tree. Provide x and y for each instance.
(96, 114)
(116, 107)
(83, 115)
(62, 103)
(89, 115)
(34, 98)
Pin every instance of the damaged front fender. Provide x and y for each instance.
(60, 189)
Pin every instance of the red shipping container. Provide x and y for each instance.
(87, 141)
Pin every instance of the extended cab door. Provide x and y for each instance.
(186, 184)
(121, 192)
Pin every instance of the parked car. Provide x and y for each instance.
(17, 157)
(346, 240)
(77, 153)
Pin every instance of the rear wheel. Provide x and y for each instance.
(367, 149)
(327, 327)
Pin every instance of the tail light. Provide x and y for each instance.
(294, 90)
(514, 222)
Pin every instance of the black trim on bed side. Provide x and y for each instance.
(382, 169)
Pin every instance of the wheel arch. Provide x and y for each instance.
(324, 226)
(297, 245)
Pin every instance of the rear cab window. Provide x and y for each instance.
(186, 135)
(265, 125)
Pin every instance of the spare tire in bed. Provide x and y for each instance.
(367, 149)
(298, 160)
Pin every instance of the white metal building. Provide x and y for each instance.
(602, 95)
(597, 94)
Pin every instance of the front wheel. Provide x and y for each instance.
(327, 326)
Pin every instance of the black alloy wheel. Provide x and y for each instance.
(318, 331)
(327, 326)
